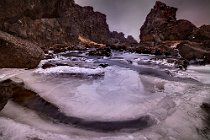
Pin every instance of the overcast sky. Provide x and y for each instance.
(129, 15)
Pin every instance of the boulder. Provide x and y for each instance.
(5, 93)
(161, 25)
(195, 52)
(101, 52)
(18, 53)
(15, 89)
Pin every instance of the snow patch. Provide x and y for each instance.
(70, 70)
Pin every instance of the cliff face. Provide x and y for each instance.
(161, 25)
(51, 23)
(161, 29)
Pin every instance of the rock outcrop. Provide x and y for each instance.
(52, 23)
(119, 38)
(118, 41)
(5, 93)
(161, 25)
(201, 35)
(195, 52)
(101, 52)
(162, 33)
(18, 53)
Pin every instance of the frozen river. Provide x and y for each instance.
(136, 97)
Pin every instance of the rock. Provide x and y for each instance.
(5, 93)
(193, 51)
(90, 24)
(161, 25)
(18, 53)
(11, 10)
(119, 38)
(205, 106)
(48, 65)
(104, 65)
(118, 41)
(15, 90)
(156, 49)
(182, 64)
(131, 40)
(47, 33)
(52, 23)
(101, 52)
(202, 35)
(53, 64)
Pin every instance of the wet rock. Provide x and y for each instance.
(48, 65)
(193, 51)
(101, 52)
(161, 25)
(182, 64)
(51, 64)
(104, 65)
(18, 53)
(49, 56)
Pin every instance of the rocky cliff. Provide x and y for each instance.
(161, 25)
(161, 33)
(52, 23)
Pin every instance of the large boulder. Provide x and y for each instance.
(18, 53)
(196, 52)
(161, 25)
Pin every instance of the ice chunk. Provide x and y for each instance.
(70, 70)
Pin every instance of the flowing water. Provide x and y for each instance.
(136, 97)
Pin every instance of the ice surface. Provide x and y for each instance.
(121, 94)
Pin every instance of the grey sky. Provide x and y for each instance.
(129, 15)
